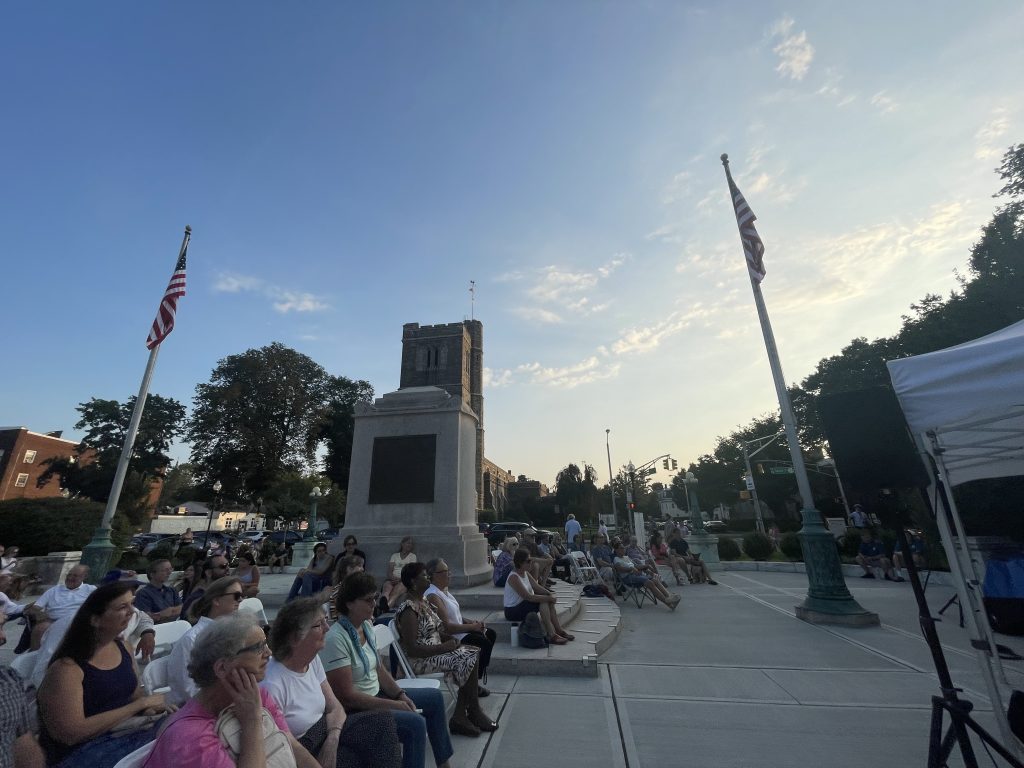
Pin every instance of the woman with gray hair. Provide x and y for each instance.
(231, 721)
(296, 680)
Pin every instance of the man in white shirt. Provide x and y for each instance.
(58, 601)
(139, 634)
(8, 608)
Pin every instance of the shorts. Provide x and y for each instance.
(519, 612)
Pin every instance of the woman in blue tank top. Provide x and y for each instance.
(91, 689)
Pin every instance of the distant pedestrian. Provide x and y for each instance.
(603, 529)
(858, 517)
(573, 532)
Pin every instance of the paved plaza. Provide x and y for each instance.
(732, 678)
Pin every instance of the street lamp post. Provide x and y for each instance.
(209, 518)
(611, 485)
(314, 497)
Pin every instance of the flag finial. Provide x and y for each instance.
(725, 159)
(188, 229)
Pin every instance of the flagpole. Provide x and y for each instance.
(828, 600)
(98, 552)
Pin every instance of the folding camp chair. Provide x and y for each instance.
(254, 605)
(628, 591)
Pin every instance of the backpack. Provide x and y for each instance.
(531, 632)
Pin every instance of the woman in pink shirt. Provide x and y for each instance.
(228, 661)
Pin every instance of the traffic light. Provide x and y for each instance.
(665, 463)
(632, 506)
(675, 464)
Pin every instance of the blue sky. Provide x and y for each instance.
(347, 168)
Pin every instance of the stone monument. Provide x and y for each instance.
(415, 472)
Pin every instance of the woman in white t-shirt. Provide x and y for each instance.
(524, 595)
(393, 590)
(296, 680)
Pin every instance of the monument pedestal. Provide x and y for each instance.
(414, 474)
(705, 545)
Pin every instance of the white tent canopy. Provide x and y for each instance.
(965, 407)
(971, 397)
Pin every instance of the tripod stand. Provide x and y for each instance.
(954, 600)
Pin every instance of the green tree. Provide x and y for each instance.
(91, 472)
(179, 486)
(338, 426)
(263, 413)
(576, 491)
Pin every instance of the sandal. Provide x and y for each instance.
(459, 727)
(557, 640)
(566, 635)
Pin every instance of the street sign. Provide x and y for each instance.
(750, 482)
(781, 470)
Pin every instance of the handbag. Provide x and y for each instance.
(276, 747)
(531, 632)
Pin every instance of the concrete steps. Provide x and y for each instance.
(594, 621)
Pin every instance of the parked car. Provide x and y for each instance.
(326, 534)
(714, 526)
(484, 528)
(140, 541)
(163, 539)
(501, 531)
(291, 537)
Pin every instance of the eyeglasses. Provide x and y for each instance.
(440, 570)
(259, 647)
(322, 624)
(369, 599)
(236, 595)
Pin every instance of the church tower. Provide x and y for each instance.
(451, 357)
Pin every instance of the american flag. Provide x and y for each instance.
(753, 248)
(164, 322)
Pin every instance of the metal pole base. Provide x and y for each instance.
(302, 552)
(98, 553)
(828, 600)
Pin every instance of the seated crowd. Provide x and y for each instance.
(306, 691)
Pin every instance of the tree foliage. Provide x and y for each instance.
(576, 491)
(263, 413)
(40, 526)
(106, 422)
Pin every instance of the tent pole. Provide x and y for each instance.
(956, 566)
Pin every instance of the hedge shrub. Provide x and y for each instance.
(728, 549)
(849, 545)
(41, 526)
(789, 545)
(757, 546)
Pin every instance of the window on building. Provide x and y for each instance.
(30, 457)
(22, 480)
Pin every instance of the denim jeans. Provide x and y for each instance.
(412, 727)
(307, 585)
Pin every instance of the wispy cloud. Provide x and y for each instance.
(538, 315)
(563, 291)
(884, 103)
(495, 379)
(988, 136)
(568, 377)
(794, 52)
(283, 300)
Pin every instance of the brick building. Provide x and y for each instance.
(496, 481)
(23, 457)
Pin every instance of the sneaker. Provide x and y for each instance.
(712, 582)
(868, 576)
(887, 577)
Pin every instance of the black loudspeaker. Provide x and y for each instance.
(869, 440)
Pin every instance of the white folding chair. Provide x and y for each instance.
(25, 664)
(386, 637)
(253, 605)
(137, 758)
(167, 634)
(154, 675)
(583, 571)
